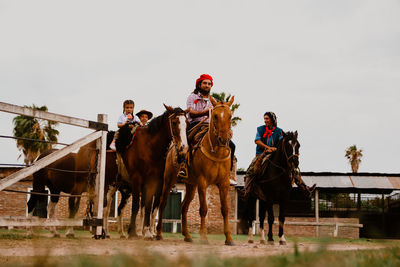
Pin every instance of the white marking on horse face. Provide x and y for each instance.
(293, 147)
(182, 133)
(282, 238)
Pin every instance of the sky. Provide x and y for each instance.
(328, 69)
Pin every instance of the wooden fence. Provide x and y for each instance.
(100, 135)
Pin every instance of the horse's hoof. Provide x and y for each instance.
(250, 241)
(56, 235)
(282, 243)
(148, 238)
(262, 242)
(70, 235)
(122, 237)
(204, 241)
(188, 239)
(271, 243)
(134, 237)
(159, 237)
(108, 237)
(229, 243)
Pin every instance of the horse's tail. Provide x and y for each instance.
(246, 214)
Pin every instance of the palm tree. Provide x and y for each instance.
(30, 129)
(354, 156)
(223, 97)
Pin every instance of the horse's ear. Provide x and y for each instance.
(169, 108)
(295, 134)
(186, 110)
(213, 101)
(284, 134)
(230, 102)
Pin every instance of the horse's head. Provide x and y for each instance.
(178, 124)
(220, 120)
(291, 148)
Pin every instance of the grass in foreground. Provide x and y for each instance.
(382, 257)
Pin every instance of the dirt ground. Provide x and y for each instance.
(172, 246)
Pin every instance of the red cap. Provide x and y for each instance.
(204, 77)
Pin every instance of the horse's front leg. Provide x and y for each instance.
(190, 191)
(282, 209)
(223, 195)
(262, 210)
(203, 213)
(135, 208)
(109, 196)
(125, 194)
(250, 216)
(148, 202)
(271, 219)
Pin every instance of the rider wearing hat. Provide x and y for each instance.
(144, 117)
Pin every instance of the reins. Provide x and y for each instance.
(280, 167)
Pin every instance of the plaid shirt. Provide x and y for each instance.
(198, 103)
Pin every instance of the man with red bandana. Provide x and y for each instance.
(199, 106)
(198, 102)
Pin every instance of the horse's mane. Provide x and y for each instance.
(156, 124)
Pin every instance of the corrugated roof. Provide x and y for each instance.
(346, 180)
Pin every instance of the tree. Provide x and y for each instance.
(223, 97)
(34, 129)
(354, 156)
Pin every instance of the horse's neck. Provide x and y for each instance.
(279, 157)
(162, 137)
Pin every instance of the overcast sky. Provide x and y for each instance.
(328, 69)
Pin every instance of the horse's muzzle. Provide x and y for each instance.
(223, 141)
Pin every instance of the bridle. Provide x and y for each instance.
(291, 170)
(173, 137)
(213, 128)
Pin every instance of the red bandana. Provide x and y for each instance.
(268, 131)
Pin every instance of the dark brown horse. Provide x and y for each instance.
(144, 160)
(58, 177)
(210, 164)
(74, 174)
(273, 185)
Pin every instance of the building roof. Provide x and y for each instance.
(367, 182)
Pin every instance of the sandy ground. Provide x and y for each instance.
(169, 247)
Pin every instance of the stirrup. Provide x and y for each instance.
(183, 173)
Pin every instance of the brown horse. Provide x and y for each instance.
(144, 160)
(58, 177)
(74, 174)
(210, 164)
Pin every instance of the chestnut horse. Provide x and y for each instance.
(210, 164)
(144, 161)
(273, 185)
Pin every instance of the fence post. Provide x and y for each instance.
(316, 207)
(101, 166)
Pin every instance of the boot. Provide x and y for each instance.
(232, 174)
